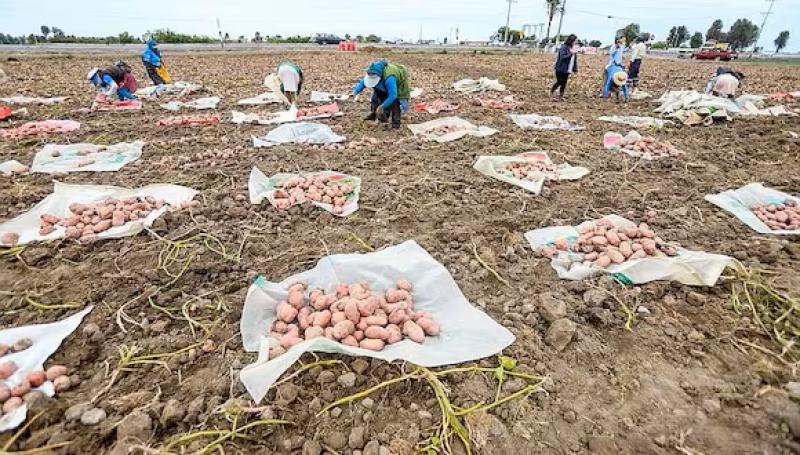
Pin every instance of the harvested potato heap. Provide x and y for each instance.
(530, 170)
(87, 152)
(88, 220)
(784, 216)
(602, 244)
(298, 190)
(648, 146)
(12, 397)
(351, 314)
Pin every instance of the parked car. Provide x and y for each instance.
(326, 38)
(715, 53)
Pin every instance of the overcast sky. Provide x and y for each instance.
(475, 19)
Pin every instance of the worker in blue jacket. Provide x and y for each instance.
(112, 82)
(616, 80)
(616, 54)
(151, 57)
(391, 91)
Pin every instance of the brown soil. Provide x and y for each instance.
(675, 383)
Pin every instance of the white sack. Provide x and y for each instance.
(198, 104)
(264, 98)
(298, 133)
(177, 87)
(466, 332)
(33, 100)
(492, 166)
(464, 128)
(636, 121)
(692, 268)
(106, 158)
(738, 203)
(327, 97)
(261, 187)
(543, 122)
(481, 85)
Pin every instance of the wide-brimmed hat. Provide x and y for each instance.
(620, 78)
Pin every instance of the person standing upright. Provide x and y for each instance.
(151, 58)
(616, 55)
(638, 51)
(566, 64)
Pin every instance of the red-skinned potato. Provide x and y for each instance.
(377, 332)
(350, 341)
(55, 371)
(7, 369)
(371, 344)
(36, 378)
(429, 326)
(414, 332)
(286, 312)
(395, 334)
(11, 404)
(20, 389)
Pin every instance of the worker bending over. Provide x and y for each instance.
(391, 90)
(287, 80)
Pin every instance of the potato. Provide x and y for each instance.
(314, 332)
(366, 307)
(350, 341)
(337, 317)
(11, 404)
(603, 260)
(9, 239)
(21, 389)
(397, 317)
(55, 371)
(102, 225)
(428, 325)
(276, 351)
(343, 329)
(378, 332)
(36, 378)
(4, 348)
(322, 318)
(404, 285)
(414, 332)
(378, 319)
(371, 344)
(21, 344)
(615, 256)
(351, 311)
(296, 299)
(118, 218)
(288, 340)
(7, 369)
(286, 312)
(395, 334)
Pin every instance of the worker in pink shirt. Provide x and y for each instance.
(724, 82)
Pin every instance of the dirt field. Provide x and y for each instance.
(678, 382)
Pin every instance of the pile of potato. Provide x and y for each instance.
(648, 146)
(18, 346)
(530, 170)
(174, 120)
(352, 314)
(297, 190)
(780, 217)
(602, 244)
(13, 397)
(88, 220)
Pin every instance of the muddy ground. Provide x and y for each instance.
(678, 382)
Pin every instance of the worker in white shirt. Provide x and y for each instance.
(638, 51)
(286, 81)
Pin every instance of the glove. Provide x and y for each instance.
(356, 97)
(380, 110)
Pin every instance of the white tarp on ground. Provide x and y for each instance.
(481, 85)
(264, 98)
(636, 121)
(298, 133)
(692, 268)
(493, 166)
(47, 338)
(678, 100)
(262, 187)
(57, 203)
(448, 129)
(199, 104)
(738, 203)
(327, 97)
(86, 157)
(33, 100)
(177, 87)
(466, 332)
(277, 118)
(543, 122)
(11, 167)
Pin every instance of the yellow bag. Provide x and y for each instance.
(163, 73)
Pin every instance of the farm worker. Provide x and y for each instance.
(724, 82)
(129, 82)
(151, 57)
(615, 57)
(617, 80)
(391, 90)
(110, 82)
(286, 80)
(566, 64)
(638, 51)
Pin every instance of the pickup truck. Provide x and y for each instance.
(715, 54)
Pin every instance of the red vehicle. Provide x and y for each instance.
(715, 53)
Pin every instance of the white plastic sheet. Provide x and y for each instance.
(738, 203)
(177, 87)
(327, 97)
(437, 130)
(298, 133)
(277, 118)
(543, 122)
(199, 104)
(264, 98)
(57, 203)
(692, 268)
(492, 166)
(33, 100)
(416, 93)
(262, 187)
(11, 167)
(77, 157)
(481, 85)
(636, 121)
(46, 340)
(466, 332)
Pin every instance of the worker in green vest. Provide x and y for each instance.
(391, 91)
(287, 80)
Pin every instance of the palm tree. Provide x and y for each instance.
(552, 7)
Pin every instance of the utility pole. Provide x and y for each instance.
(221, 38)
(764, 22)
(508, 21)
(420, 34)
(561, 21)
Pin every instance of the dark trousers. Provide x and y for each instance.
(394, 109)
(633, 71)
(151, 72)
(561, 83)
